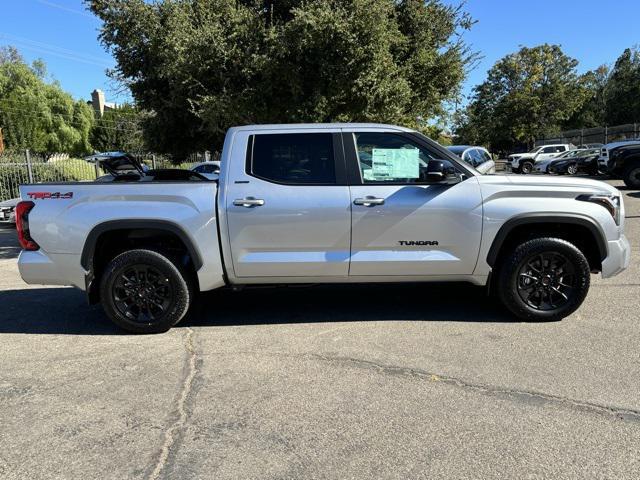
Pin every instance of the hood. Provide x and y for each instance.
(117, 163)
(620, 143)
(547, 161)
(547, 182)
(9, 203)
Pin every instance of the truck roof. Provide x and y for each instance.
(306, 126)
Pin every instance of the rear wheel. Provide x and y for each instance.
(142, 291)
(631, 175)
(543, 279)
(572, 169)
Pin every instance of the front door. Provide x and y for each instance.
(288, 206)
(402, 225)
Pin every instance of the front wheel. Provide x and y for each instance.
(631, 176)
(142, 291)
(572, 169)
(543, 279)
(526, 168)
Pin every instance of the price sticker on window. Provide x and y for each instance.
(395, 163)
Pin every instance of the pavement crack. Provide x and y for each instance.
(530, 397)
(170, 434)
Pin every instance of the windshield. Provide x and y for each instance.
(535, 150)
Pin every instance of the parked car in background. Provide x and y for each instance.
(585, 161)
(524, 162)
(8, 210)
(211, 170)
(590, 145)
(607, 152)
(622, 161)
(543, 165)
(478, 157)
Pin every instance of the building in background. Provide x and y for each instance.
(99, 104)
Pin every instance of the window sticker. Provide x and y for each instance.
(392, 163)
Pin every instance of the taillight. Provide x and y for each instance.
(22, 225)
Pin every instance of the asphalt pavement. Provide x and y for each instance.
(332, 382)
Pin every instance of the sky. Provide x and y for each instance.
(595, 32)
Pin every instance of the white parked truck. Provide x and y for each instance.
(319, 203)
(525, 162)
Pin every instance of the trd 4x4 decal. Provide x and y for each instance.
(52, 195)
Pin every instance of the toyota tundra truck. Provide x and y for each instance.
(319, 203)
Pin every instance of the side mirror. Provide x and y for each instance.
(440, 171)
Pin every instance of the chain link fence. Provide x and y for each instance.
(593, 135)
(19, 168)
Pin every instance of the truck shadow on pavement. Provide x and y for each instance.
(347, 303)
(9, 246)
(65, 311)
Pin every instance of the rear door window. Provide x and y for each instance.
(292, 158)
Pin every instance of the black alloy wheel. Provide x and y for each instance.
(546, 281)
(631, 175)
(142, 293)
(543, 279)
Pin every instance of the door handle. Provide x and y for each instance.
(248, 202)
(369, 201)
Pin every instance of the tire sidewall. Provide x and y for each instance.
(508, 278)
(632, 176)
(181, 295)
(526, 168)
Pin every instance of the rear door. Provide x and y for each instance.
(401, 225)
(287, 204)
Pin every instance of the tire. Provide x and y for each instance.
(572, 169)
(526, 167)
(142, 291)
(631, 175)
(555, 264)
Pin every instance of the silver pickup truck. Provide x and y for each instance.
(319, 203)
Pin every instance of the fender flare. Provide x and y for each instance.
(88, 251)
(533, 218)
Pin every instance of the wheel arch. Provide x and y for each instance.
(542, 224)
(138, 229)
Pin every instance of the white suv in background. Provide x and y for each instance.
(523, 162)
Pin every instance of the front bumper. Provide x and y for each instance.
(618, 258)
(7, 215)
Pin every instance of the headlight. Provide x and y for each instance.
(610, 202)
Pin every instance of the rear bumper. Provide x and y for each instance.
(618, 258)
(40, 268)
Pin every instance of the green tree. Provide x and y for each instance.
(38, 115)
(119, 129)
(527, 94)
(202, 66)
(622, 93)
(593, 109)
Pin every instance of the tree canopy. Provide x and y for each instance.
(622, 89)
(527, 94)
(537, 91)
(119, 129)
(38, 115)
(201, 66)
